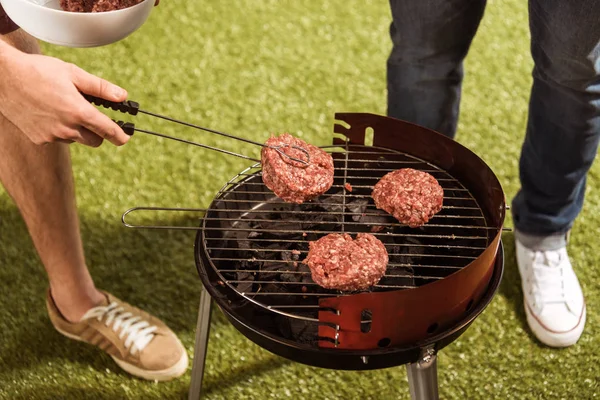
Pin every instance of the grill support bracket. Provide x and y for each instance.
(201, 346)
(422, 376)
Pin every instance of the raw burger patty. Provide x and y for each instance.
(338, 262)
(292, 181)
(96, 5)
(411, 196)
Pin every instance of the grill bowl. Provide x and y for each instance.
(260, 326)
(449, 269)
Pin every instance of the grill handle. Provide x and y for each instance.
(169, 209)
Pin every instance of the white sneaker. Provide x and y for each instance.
(552, 295)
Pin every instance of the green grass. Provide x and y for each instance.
(255, 67)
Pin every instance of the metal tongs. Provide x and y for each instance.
(133, 108)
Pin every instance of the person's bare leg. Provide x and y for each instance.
(40, 181)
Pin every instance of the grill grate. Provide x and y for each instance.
(255, 242)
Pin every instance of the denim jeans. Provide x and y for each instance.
(430, 41)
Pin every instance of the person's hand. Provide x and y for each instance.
(41, 96)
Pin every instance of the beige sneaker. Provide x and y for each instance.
(138, 342)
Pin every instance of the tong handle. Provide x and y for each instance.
(128, 127)
(127, 106)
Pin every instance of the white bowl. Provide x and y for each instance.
(48, 22)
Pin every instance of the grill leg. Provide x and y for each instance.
(202, 329)
(422, 378)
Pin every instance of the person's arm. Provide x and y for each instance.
(41, 96)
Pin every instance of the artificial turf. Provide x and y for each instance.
(254, 67)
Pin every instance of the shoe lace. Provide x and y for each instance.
(548, 277)
(137, 332)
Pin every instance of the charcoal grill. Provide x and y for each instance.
(250, 246)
